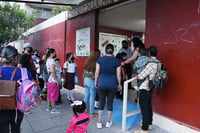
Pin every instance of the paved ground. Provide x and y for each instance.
(40, 121)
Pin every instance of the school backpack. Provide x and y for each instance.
(27, 92)
(160, 78)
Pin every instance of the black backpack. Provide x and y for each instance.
(160, 78)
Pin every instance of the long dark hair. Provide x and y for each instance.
(68, 55)
(8, 55)
(79, 108)
(49, 52)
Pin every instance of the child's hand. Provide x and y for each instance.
(136, 88)
(123, 63)
(119, 87)
(39, 100)
(96, 85)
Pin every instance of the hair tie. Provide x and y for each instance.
(76, 103)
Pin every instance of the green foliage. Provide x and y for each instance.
(13, 22)
(58, 9)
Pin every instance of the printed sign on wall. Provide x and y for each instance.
(83, 42)
(106, 38)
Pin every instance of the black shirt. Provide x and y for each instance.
(28, 63)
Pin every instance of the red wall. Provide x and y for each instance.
(51, 37)
(77, 23)
(119, 32)
(174, 27)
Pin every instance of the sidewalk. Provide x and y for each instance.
(40, 121)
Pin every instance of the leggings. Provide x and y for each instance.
(109, 94)
(7, 118)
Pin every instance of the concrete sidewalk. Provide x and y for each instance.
(40, 121)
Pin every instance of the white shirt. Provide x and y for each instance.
(57, 70)
(70, 67)
(128, 51)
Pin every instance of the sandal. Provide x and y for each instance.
(94, 115)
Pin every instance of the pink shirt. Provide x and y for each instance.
(79, 124)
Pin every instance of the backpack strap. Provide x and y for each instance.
(13, 73)
(24, 74)
(158, 68)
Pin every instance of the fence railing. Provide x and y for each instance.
(124, 113)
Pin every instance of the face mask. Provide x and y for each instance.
(72, 58)
(54, 56)
(29, 51)
(125, 47)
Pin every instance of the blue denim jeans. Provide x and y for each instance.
(90, 92)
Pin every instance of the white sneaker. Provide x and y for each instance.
(48, 109)
(140, 131)
(99, 125)
(109, 124)
(53, 111)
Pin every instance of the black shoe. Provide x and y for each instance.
(57, 103)
(96, 108)
(136, 100)
(70, 100)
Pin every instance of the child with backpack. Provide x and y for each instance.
(10, 120)
(140, 65)
(80, 118)
(145, 93)
(69, 75)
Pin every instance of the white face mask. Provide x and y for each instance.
(37, 61)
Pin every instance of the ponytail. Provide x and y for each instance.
(75, 110)
(49, 52)
(78, 107)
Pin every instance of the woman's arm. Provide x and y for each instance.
(97, 74)
(53, 72)
(132, 58)
(119, 78)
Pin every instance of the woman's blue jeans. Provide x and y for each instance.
(90, 92)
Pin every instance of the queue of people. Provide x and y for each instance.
(103, 77)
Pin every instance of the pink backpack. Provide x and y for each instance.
(27, 92)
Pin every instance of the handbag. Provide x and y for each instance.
(8, 93)
(76, 77)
